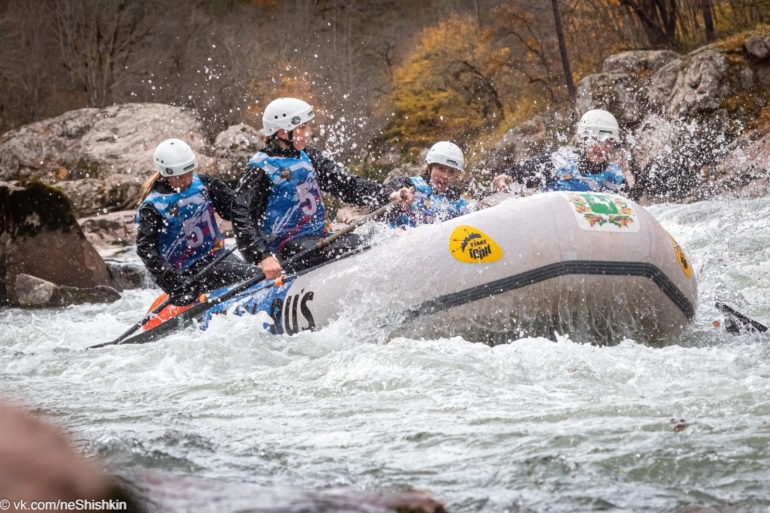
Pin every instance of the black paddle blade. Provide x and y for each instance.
(737, 323)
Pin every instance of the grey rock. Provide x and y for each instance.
(111, 149)
(763, 76)
(745, 78)
(662, 83)
(113, 229)
(695, 88)
(128, 275)
(758, 46)
(623, 94)
(33, 292)
(636, 61)
(234, 148)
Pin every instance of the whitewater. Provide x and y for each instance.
(534, 424)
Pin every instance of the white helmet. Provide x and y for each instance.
(599, 124)
(287, 114)
(174, 157)
(446, 153)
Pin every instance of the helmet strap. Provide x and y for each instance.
(289, 141)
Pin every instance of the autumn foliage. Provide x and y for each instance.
(447, 86)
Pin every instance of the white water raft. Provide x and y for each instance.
(596, 266)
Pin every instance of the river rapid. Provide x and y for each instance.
(532, 425)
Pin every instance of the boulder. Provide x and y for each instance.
(113, 229)
(32, 292)
(637, 61)
(129, 275)
(234, 148)
(622, 87)
(757, 46)
(100, 157)
(625, 95)
(693, 86)
(40, 237)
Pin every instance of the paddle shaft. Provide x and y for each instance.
(187, 317)
(147, 318)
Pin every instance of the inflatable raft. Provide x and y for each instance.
(596, 266)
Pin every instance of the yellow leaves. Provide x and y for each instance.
(445, 87)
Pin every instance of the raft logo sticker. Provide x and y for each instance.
(468, 244)
(602, 212)
(681, 258)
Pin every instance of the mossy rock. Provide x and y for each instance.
(32, 207)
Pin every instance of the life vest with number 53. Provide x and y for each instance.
(295, 207)
(190, 231)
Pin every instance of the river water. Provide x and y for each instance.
(533, 425)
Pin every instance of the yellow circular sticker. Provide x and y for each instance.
(471, 245)
(681, 258)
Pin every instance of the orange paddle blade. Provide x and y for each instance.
(168, 312)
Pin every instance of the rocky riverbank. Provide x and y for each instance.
(696, 124)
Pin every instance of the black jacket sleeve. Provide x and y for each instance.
(397, 184)
(349, 188)
(147, 244)
(221, 195)
(248, 207)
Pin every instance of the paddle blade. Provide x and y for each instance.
(158, 302)
(168, 312)
(737, 323)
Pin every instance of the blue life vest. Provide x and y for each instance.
(295, 207)
(429, 207)
(190, 232)
(569, 178)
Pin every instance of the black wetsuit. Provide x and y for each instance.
(173, 280)
(254, 190)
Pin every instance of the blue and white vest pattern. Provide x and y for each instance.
(295, 207)
(190, 232)
(569, 178)
(429, 207)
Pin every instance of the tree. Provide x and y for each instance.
(708, 21)
(658, 17)
(446, 87)
(563, 52)
(97, 40)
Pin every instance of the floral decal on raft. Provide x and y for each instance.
(602, 211)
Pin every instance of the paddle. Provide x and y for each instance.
(736, 321)
(187, 317)
(147, 318)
